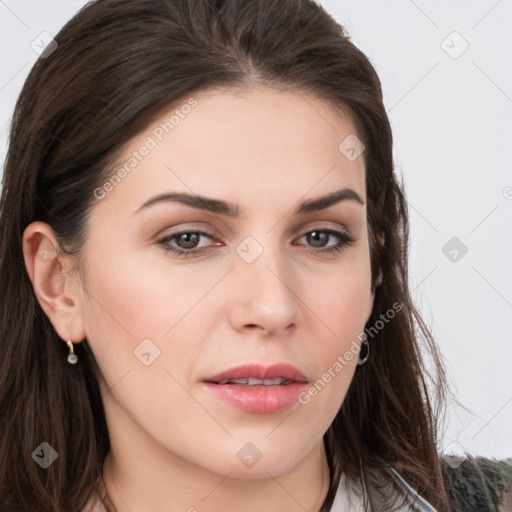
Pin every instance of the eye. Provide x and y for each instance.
(319, 237)
(187, 241)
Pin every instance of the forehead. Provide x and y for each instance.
(257, 144)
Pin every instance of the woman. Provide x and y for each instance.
(204, 271)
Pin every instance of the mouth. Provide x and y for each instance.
(257, 374)
(258, 389)
(250, 381)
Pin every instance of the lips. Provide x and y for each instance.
(258, 389)
(285, 372)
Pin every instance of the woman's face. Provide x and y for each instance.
(256, 287)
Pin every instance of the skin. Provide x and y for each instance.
(174, 445)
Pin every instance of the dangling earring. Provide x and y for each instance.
(72, 357)
(365, 358)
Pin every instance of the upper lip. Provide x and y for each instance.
(259, 371)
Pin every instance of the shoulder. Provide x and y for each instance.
(473, 484)
(416, 502)
(478, 483)
(350, 498)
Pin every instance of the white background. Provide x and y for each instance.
(452, 125)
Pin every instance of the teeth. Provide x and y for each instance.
(238, 381)
(273, 382)
(256, 382)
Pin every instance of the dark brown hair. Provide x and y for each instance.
(119, 64)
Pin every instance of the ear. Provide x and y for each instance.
(58, 291)
(371, 299)
(377, 281)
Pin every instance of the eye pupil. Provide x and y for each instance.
(319, 236)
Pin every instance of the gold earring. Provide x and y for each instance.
(72, 357)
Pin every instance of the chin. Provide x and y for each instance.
(261, 470)
(259, 459)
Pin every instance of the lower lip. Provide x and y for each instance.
(258, 399)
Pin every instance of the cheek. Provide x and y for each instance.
(341, 300)
(135, 298)
(134, 313)
(140, 325)
(341, 305)
(345, 306)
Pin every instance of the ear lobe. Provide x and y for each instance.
(55, 289)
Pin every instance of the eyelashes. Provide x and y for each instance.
(344, 240)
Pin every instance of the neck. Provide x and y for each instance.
(147, 477)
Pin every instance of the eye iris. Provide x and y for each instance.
(316, 235)
(191, 240)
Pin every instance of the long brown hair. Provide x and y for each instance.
(118, 65)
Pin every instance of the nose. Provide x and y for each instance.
(264, 294)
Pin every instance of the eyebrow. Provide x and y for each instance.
(221, 207)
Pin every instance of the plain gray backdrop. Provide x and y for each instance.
(447, 81)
